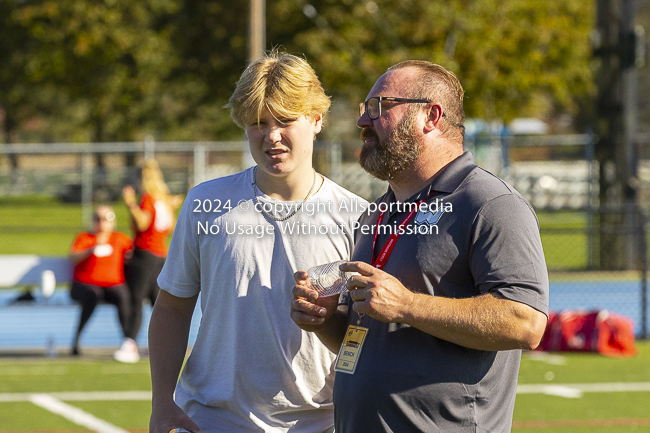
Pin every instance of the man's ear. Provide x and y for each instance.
(434, 117)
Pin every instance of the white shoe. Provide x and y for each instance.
(128, 352)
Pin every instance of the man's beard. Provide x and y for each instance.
(385, 159)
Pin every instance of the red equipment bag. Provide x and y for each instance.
(589, 331)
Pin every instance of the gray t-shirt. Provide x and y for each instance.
(251, 368)
(487, 242)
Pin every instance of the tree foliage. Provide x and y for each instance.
(119, 70)
(18, 98)
(514, 58)
(110, 56)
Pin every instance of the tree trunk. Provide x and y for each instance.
(8, 128)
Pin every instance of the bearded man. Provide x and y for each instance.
(430, 337)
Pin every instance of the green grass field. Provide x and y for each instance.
(603, 411)
(45, 226)
(91, 373)
(565, 251)
(623, 411)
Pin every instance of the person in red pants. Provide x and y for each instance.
(152, 221)
(98, 259)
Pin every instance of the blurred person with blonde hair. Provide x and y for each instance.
(251, 368)
(152, 220)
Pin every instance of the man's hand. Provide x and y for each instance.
(378, 294)
(484, 322)
(308, 310)
(171, 417)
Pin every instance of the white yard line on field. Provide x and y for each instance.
(568, 390)
(575, 390)
(80, 396)
(102, 395)
(549, 358)
(53, 401)
(74, 414)
(556, 390)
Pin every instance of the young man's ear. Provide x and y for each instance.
(318, 123)
(434, 117)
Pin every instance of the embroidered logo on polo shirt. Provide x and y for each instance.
(429, 217)
(431, 212)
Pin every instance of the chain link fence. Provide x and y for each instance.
(597, 257)
(597, 260)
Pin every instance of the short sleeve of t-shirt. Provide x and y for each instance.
(83, 241)
(506, 255)
(181, 274)
(125, 242)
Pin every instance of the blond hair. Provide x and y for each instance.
(152, 180)
(439, 85)
(282, 83)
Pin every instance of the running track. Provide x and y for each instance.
(30, 326)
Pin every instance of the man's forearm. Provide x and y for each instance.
(485, 322)
(333, 330)
(77, 257)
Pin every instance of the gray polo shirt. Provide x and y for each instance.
(488, 241)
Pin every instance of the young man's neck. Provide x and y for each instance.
(291, 187)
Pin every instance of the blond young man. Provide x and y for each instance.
(235, 243)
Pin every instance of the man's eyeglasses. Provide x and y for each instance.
(373, 105)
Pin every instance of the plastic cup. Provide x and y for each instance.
(328, 279)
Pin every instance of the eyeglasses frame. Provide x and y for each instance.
(364, 105)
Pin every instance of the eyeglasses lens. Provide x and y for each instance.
(373, 108)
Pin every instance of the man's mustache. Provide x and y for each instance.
(369, 133)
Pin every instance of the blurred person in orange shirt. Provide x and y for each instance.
(98, 260)
(152, 220)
